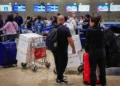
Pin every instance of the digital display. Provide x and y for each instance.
(19, 8)
(114, 7)
(84, 8)
(71, 8)
(39, 8)
(103, 8)
(52, 8)
(6, 8)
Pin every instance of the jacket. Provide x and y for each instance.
(19, 20)
(95, 38)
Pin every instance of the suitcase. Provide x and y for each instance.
(7, 53)
(86, 73)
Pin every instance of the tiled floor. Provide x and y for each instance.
(44, 77)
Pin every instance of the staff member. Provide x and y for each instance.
(96, 50)
(19, 19)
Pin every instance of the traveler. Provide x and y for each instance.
(70, 26)
(100, 21)
(39, 25)
(61, 53)
(73, 20)
(54, 22)
(58, 14)
(19, 19)
(86, 21)
(11, 13)
(28, 22)
(11, 28)
(95, 48)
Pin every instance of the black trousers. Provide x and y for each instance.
(11, 37)
(61, 59)
(97, 58)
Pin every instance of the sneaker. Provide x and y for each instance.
(61, 81)
(64, 77)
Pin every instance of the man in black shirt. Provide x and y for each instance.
(61, 54)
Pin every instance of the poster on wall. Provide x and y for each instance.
(52, 8)
(115, 8)
(103, 8)
(5, 8)
(39, 8)
(19, 8)
(84, 8)
(71, 8)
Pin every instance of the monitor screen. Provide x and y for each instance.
(114, 7)
(19, 8)
(103, 8)
(52, 8)
(5, 8)
(71, 8)
(84, 8)
(39, 8)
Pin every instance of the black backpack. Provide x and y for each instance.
(51, 40)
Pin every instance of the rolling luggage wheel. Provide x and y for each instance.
(55, 71)
(34, 69)
(80, 69)
(23, 65)
(48, 65)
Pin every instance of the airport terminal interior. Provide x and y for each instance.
(26, 56)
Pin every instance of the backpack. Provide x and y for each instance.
(51, 40)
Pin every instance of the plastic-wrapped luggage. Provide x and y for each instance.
(112, 43)
(86, 73)
(7, 53)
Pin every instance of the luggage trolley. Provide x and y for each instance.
(37, 51)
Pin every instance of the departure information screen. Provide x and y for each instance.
(52, 8)
(103, 8)
(39, 8)
(19, 8)
(5, 8)
(71, 8)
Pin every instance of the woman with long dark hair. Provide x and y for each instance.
(95, 48)
(11, 28)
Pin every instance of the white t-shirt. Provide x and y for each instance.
(71, 27)
(73, 21)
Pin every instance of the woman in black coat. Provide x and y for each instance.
(96, 50)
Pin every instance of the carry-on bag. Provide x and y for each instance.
(7, 53)
(86, 73)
